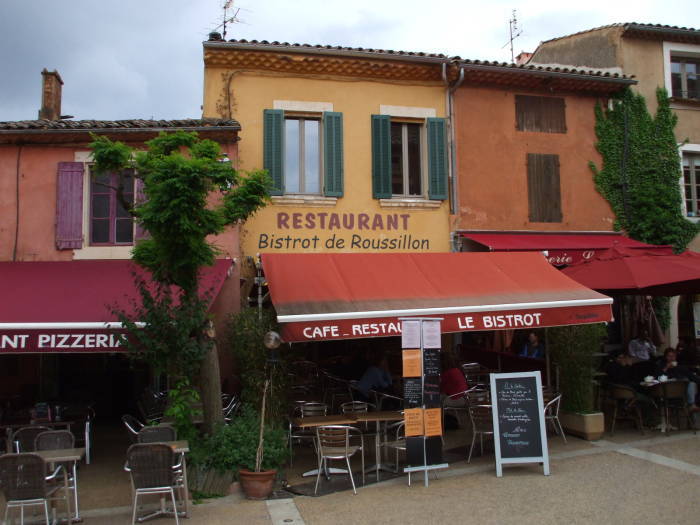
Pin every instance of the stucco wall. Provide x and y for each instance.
(594, 49)
(492, 164)
(357, 100)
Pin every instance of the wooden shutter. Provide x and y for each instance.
(273, 148)
(333, 154)
(381, 156)
(543, 190)
(437, 159)
(546, 114)
(139, 197)
(69, 206)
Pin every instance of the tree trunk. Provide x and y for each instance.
(210, 387)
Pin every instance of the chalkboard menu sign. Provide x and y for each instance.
(431, 362)
(412, 392)
(518, 419)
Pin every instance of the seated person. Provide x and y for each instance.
(376, 377)
(641, 348)
(533, 347)
(668, 366)
(619, 370)
(452, 380)
(622, 370)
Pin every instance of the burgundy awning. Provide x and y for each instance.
(321, 296)
(68, 306)
(562, 248)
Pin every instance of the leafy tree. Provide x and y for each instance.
(180, 174)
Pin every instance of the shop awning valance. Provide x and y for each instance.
(68, 306)
(353, 295)
(562, 248)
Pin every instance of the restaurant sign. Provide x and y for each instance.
(452, 322)
(61, 341)
(566, 257)
(325, 231)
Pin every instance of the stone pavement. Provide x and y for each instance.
(625, 479)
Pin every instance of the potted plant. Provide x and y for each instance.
(572, 349)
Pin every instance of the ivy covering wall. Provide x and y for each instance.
(642, 169)
(641, 172)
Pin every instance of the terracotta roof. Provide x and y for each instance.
(89, 125)
(286, 46)
(548, 70)
(648, 30)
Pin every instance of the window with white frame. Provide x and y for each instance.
(691, 183)
(685, 77)
(110, 222)
(302, 155)
(406, 159)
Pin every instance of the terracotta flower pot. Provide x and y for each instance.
(257, 485)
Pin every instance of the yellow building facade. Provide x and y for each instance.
(354, 140)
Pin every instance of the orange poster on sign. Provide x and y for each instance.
(413, 418)
(433, 422)
(412, 363)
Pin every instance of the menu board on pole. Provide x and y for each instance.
(421, 382)
(518, 420)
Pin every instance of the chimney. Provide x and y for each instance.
(523, 58)
(50, 95)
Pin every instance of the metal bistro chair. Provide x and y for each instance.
(456, 403)
(333, 443)
(397, 444)
(82, 429)
(24, 482)
(156, 434)
(672, 398)
(59, 440)
(551, 414)
(153, 471)
(482, 423)
(625, 406)
(472, 373)
(23, 438)
(132, 425)
(310, 409)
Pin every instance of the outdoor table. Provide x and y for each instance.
(67, 455)
(378, 418)
(182, 447)
(9, 428)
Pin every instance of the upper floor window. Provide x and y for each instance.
(304, 153)
(691, 183)
(110, 222)
(685, 77)
(543, 188)
(408, 158)
(545, 114)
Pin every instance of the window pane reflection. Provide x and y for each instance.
(291, 155)
(396, 158)
(312, 157)
(414, 186)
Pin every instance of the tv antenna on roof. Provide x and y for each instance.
(229, 18)
(515, 32)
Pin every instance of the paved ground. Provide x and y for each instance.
(626, 479)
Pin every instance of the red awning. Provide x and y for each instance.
(641, 272)
(67, 306)
(352, 295)
(561, 248)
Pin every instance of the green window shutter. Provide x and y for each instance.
(437, 159)
(381, 156)
(273, 148)
(333, 154)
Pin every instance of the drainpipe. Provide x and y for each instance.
(17, 181)
(452, 171)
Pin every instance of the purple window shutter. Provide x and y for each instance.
(69, 206)
(139, 197)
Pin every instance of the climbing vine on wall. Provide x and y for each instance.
(641, 172)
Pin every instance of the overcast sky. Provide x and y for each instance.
(143, 58)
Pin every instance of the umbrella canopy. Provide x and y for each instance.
(620, 270)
